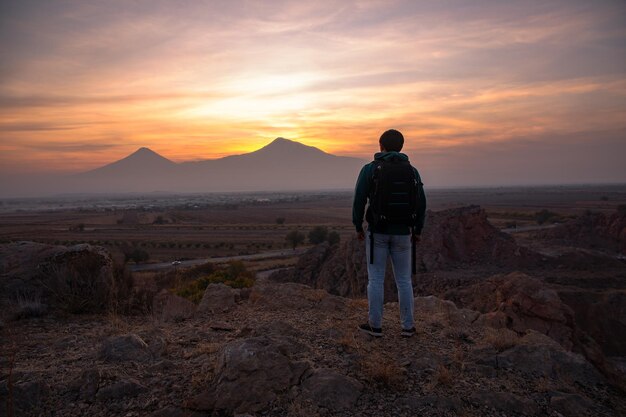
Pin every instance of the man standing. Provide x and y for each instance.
(395, 216)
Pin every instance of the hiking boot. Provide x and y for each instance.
(372, 331)
(408, 332)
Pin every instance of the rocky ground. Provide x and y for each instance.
(289, 350)
(530, 334)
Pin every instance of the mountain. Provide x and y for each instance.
(143, 161)
(282, 165)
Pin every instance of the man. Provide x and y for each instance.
(395, 219)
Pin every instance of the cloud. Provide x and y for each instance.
(210, 78)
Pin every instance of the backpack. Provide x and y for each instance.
(393, 199)
(394, 193)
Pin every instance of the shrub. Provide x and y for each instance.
(235, 275)
(318, 234)
(621, 208)
(544, 216)
(333, 238)
(294, 238)
(29, 306)
(137, 255)
(280, 220)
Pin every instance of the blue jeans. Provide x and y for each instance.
(399, 248)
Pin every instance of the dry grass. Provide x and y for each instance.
(442, 376)
(358, 303)
(117, 325)
(208, 348)
(543, 385)
(315, 295)
(348, 341)
(501, 339)
(384, 371)
(29, 307)
(300, 409)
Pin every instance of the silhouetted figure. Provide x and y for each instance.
(393, 191)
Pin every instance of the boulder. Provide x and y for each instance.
(77, 279)
(86, 385)
(218, 298)
(504, 401)
(331, 390)
(126, 388)
(171, 307)
(129, 347)
(547, 361)
(290, 295)
(432, 306)
(519, 302)
(250, 374)
(570, 405)
(27, 396)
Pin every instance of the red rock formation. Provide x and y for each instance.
(592, 230)
(451, 238)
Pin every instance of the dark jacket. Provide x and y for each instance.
(362, 192)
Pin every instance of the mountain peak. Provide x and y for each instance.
(281, 144)
(144, 151)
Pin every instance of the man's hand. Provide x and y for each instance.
(360, 235)
(416, 238)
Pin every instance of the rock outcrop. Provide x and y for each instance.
(451, 238)
(519, 302)
(591, 230)
(79, 278)
(218, 298)
(250, 374)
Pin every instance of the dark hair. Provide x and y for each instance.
(392, 140)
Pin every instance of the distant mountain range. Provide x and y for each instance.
(282, 165)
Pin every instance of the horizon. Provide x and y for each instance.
(486, 93)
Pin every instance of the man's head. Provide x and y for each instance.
(391, 141)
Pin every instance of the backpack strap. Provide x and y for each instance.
(371, 246)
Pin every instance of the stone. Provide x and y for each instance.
(129, 347)
(519, 302)
(171, 307)
(250, 374)
(77, 279)
(218, 298)
(570, 405)
(549, 362)
(331, 390)
(433, 306)
(281, 296)
(444, 403)
(121, 389)
(504, 401)
(27, 396)
(86, 385)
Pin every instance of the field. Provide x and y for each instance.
(170, 227)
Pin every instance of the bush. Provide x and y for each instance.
(235, 275)
(280, 220)
(294, 238)
(137, 255)
(544, 216)
(621, 208)
(318, 234)
(333, 238)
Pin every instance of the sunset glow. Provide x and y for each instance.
(469, 83)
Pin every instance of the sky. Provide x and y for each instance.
(485, 92)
